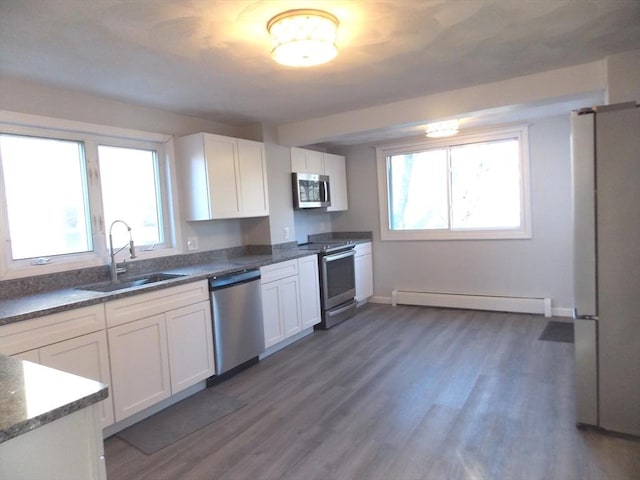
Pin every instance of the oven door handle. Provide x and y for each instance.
(338, 256)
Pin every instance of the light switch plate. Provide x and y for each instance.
(192, 244)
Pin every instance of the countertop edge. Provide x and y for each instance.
(31, 424)
(72, 298)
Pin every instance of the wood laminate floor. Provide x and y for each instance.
(399, 393)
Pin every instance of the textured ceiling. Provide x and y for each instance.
(210, 58)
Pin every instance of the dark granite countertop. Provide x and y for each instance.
(33, 395)
(39, 304)
(24, 307)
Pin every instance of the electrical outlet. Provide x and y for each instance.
(285, 233)
(192, 244)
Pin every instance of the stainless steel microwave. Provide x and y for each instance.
(310, 190)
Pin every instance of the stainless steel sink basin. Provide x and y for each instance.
(130, 282)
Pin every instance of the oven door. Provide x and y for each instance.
(338, 278)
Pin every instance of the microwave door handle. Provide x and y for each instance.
(325, 192)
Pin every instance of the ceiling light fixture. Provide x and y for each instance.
(303, 38)
(442, 129)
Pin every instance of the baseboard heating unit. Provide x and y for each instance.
(473, 302)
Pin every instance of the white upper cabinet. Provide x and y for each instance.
(307, 161)
(310, 161)
(335, 167)
(224, 177)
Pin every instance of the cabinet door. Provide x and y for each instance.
(190, 344)
(306, 161)
(335, 166)
(253, 179)
(139, 365)
(271, 314)
(280, 309)
(363, 276)
(222, 173)
(309, 291)
(86, 356)
(289, 293)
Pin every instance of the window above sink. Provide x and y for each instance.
(61, 187)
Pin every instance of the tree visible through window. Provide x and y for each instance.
(473, 188)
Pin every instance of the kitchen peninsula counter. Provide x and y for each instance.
(49, 424)
(33, 395)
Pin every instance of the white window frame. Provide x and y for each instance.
(384, 151)
(91, 135)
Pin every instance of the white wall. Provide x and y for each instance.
(540, 267)
(623, 77)
(312, 221)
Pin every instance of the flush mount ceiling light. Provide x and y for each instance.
(303, 38)
(442, 129)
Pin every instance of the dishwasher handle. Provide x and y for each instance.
(232, 279)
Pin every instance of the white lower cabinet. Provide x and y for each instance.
(363, 272)
(280, 309)
(73, 341)
(160, 343)
(289, 294)
(271, 315)
(290, 298)
(139, 365)
(309, 291)
(86, 356)
(69, 448)
(190, 342)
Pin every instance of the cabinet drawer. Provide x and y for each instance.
(363, 248)
(276, 271)
(147, 304)
(29, 334)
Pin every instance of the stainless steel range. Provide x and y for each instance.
(337, 280)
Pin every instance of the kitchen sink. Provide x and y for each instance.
(130, 282)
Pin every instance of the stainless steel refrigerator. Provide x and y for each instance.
(605, 151)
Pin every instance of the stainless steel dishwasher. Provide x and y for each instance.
(238, 331)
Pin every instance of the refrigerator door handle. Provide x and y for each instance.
(583, 165)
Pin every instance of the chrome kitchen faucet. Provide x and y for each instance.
(112, 253)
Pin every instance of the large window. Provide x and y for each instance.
(131, 192)
(46, 196)
(467, 187)
(62, 190)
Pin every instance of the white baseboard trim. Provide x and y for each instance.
(555, 311)
(473, 302)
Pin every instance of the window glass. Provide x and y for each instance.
(418, 191)
(46, 196)
(485, 185)
(467, 187)
(131, 192)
